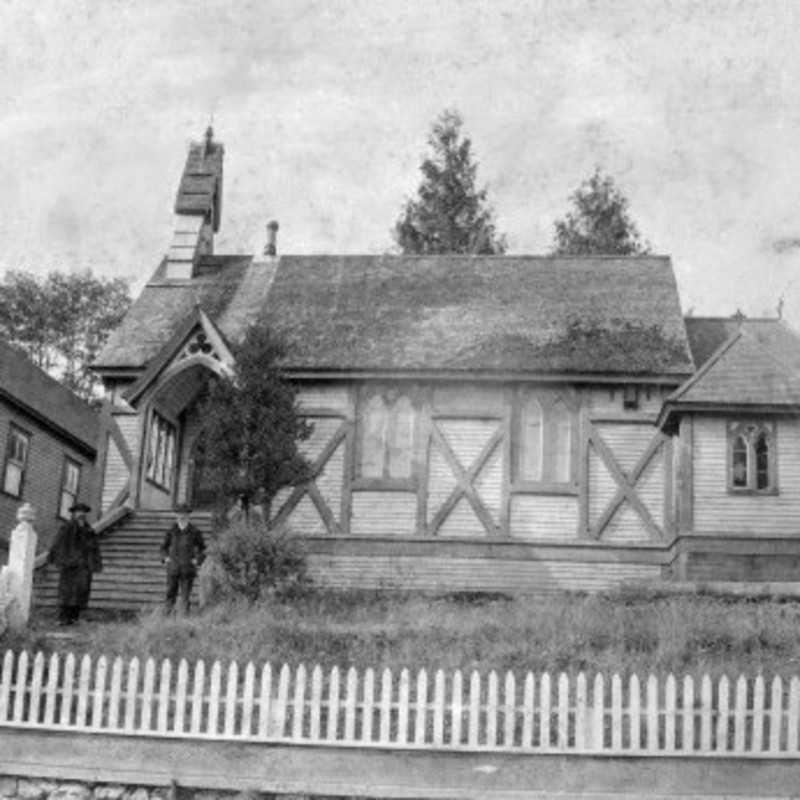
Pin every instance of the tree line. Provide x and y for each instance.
(451, 214)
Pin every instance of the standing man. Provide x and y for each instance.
(76, 554)
(183, 551)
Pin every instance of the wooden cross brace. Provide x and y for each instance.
(626, 484)
(465, 482)
(311, 488)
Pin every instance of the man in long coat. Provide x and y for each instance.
(76, 553)
(182, 551)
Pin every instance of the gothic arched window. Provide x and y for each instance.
(752, 457)
(386, 437)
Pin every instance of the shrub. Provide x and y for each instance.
(251, 561)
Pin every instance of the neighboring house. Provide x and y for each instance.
(48, 446)
(479, 422)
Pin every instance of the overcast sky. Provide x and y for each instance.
(324, 109)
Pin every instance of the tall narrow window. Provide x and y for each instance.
(752, 457)
(374, 422)
(386, 437)
(561, 442)
(762, 461)
(16, 461)
(739, 462)
(161, 451)
(70, 483)
(400, 448)
(531, 443)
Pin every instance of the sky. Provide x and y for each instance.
(324, 109)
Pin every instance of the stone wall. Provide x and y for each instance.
(19, 788)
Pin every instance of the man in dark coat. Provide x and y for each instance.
(76, 553)
(183, 551)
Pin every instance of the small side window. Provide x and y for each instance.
(70, 484)
(752, 457)
(16, 461)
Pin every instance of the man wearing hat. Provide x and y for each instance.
(76, 553)
(183, 551)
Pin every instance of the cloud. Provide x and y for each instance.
(786, 243)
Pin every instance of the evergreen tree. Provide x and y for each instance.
(599, 222)
(449, 214)
(251, 425)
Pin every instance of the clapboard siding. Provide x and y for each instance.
(472, 574)
(717, 511)
(305, 518)
(117, 474)
(627, 441)
(467, 437)
(323, 430)
(608, 400)
(441, 481)
(489, 483)
(602, 487)
(329, 482)
(541, 517)
(461, 521)
(384, 513)
(130, 428)
(334, 398)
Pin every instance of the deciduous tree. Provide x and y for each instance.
(449, 214)
(598, 223)
(62, 320)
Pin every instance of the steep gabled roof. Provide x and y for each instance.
(707, 334)
(53, 405)
(757, 366)
(591, 315)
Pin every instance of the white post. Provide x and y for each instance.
(17, 576)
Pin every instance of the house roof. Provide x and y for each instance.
(707, 334)
(757, 365)
(587, 315)
(53, 405)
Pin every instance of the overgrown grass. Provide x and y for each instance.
(624, 632)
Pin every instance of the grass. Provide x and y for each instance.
(623, 632)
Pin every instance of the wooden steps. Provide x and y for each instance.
(133, 577)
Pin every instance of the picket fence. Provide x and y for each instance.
(540, 714)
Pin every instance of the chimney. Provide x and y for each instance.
(198, 207)
(271, 247)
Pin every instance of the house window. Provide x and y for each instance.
(531, 441)
(751, 457)
(386, 444)
(161, 451)
(544, 442)
(70, 482)
(16, 459)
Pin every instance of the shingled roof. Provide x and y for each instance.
(588, 315)
(757, 366)
(25, 385)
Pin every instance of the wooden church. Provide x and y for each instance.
(480, 423)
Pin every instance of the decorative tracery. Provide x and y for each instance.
(752, 463)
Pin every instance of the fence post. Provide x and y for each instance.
(16, 579)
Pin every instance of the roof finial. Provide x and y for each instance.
(780, 307)
(209, 137)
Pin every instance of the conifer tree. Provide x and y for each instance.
(599, 222)
(251, 426)
(449, 214)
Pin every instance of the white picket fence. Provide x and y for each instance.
(539, 714)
